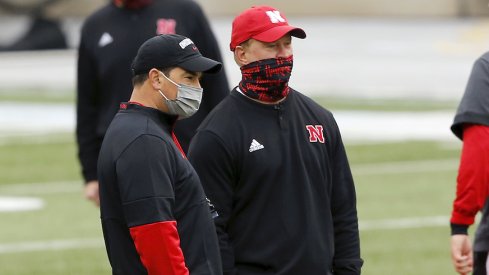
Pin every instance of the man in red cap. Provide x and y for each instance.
(278, 173)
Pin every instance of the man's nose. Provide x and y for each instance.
(284, 51)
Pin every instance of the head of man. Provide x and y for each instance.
(166, 74)
(261, 40)
(262, 32)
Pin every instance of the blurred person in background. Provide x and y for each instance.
(109, 41)
(471, 125)
(43, 33)
(278, 173)
(155, 216)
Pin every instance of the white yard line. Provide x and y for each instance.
(51, 245)
(24, 119)
(19, 197)
(404, 223)
(41, 188)
(417, 166)
(16, 204)
(69, 244)
(36, 138)
(369, 126)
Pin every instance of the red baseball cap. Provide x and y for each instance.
(263, 23)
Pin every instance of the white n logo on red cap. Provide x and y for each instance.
(275, 16)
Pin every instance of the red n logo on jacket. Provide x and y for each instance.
(315, 133)
(166, 26)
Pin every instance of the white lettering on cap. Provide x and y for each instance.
(184, 43)
(275, 16)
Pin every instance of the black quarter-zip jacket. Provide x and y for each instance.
(279, 178)
(145, 179)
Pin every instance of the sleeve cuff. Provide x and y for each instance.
(459, 229)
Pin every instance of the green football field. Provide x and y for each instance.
(404, 190)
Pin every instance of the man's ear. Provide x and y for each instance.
(154, 79)
(240, 56)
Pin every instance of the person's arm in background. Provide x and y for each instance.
(346, 260)
(146, 184)
(216, 172)
(86, 118)
(472, 193)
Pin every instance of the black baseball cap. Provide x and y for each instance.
(172, 50)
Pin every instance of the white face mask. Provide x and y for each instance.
(187, 102)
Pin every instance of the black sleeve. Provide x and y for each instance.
(474, 106)
(145, 173)
(86, 111)
(347, 259)
(216, 173)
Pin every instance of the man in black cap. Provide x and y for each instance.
(110, 38)
(155, 216)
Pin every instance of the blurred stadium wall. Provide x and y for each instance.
(409, 8)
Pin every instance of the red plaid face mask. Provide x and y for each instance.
(267, 80)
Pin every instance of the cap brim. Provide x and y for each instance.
(201, 64)
(276, 33)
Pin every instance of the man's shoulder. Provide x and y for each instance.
(127, 127)
(482, 61)
(310, 103)
(134, 124)
(484, 57)
(222, 112)
(187, 6)
(226, 115)
(97, 16)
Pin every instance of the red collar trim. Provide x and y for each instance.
(123, 105)
(178, 144)
(136, 103)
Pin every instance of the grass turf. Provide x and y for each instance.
(391, 179)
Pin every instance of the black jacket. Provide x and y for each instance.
(144, 179)
(280, 181)
(109, 41)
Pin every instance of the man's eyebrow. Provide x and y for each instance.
(197, 74)
(193, 73)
